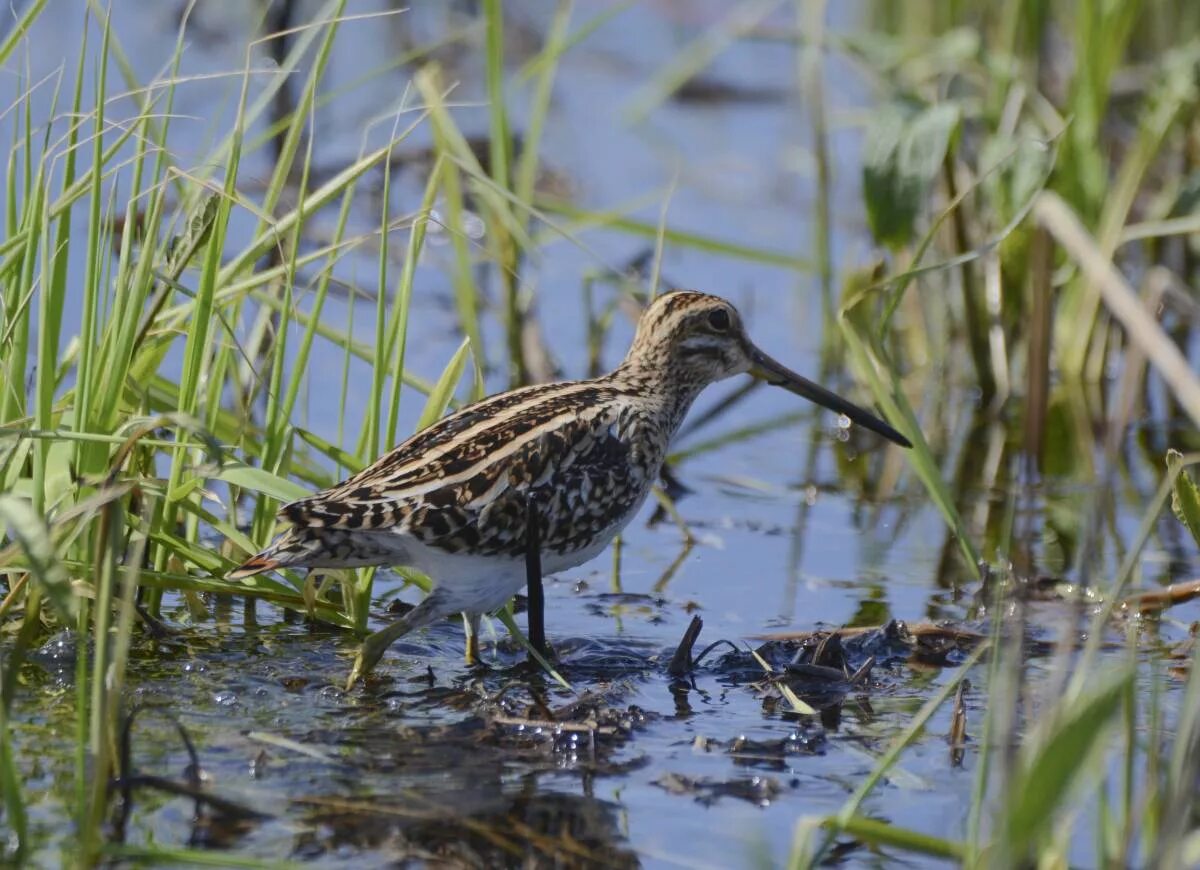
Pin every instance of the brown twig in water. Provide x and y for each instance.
(681, 662)
(1156, 600)
(958, 726)
(126, 782)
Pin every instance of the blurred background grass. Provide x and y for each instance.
(1028, 177)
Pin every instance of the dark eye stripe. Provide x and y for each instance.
(708, 351)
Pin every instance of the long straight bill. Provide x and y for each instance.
(781, 376)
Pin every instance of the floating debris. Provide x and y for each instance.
(758, 790)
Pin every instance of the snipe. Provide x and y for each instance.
(453, 500)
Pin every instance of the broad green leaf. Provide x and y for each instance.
(443, 390)
(259, 480)
(32, 534)
(1185, 497)
(1050, 766)
(903, 154)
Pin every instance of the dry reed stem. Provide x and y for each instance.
(1144, 332)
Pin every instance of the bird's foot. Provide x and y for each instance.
(369, 654)
(360, 668)
(375, 645)
(471, 629)
(472, 656)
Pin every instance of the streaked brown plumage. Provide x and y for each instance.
(451, 501)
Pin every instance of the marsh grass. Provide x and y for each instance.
(1106, 733)
(146, 453)
(119, 477)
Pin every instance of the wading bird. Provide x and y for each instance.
(455, 500)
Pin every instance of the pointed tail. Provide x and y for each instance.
(291, 549)
(259, 564)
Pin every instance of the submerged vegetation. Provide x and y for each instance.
(185, 344)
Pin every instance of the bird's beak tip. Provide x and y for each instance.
(766, 369)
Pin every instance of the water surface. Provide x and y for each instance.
(794, 531)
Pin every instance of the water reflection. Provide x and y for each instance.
(790, 523)
(526, 826)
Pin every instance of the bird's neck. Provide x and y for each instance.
(665, 393)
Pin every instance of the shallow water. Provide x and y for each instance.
(427, 759)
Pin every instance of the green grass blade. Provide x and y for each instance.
(404, 293)
(19, 28)
(28, 528)
(261, 481)
(443, 390)
(876, 833)
(616, 220)
(1055, 760)
(16, 818)
(873, 366)
(1185, 496)
(851, 808)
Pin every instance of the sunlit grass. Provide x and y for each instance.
(163, 466)
(1109, 720)
(94, 528)
(123, 484)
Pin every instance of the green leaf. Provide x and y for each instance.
(1185, 496)
(258, 480)
(1051, 765)
(59, 486)
(872, 365)
(616, 219)
(185, 489)
(344, 458)
(32, 534)
(10, 792)
(903, 154)
(443, 390)
(13, 463)
(878, 833)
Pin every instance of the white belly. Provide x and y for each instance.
(481, 584)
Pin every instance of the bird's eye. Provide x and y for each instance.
(719, 320)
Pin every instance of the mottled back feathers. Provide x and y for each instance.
(583, 453)
(462, 484)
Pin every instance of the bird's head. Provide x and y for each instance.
(694, 339)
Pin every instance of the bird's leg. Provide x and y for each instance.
(471, 625)
(374, 645)
(536, 609)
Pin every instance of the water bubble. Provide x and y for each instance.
(473, 226)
